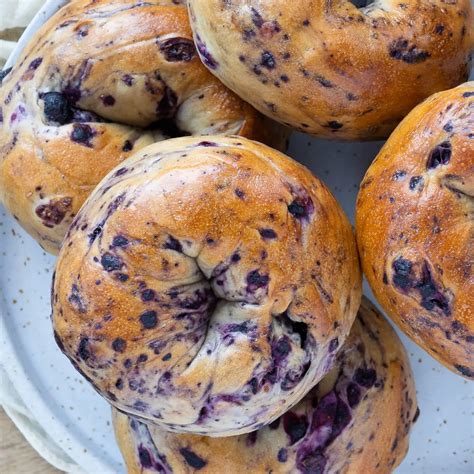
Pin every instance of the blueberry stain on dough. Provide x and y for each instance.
(82, 134)
(83, 350)
(111, 262)
(119, 241)
(402, 269)
(119, 344)
(173, 244)
(256, 280)
(400, 49)
(192, 459)
(268, 60)
(440, 155)
(54, 212)
(178, 49)
(415, 182)
(108, 100)
(149, 319)
(268, 234)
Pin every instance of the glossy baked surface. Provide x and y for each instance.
(415, 227)
(329, 68)
(96, 83)
(207, 284)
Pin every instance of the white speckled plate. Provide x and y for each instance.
(71, 412)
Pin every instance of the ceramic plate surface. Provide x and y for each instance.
(79, 419)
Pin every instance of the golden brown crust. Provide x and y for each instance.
(415, 227)
(357, 420)
(115, 68)
(207, 284)
(329, 68)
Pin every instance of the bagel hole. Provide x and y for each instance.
(295, 327)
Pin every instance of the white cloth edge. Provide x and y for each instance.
(33, 432)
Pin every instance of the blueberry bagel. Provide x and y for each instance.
(330, 68)
(356, 420)
(206, 285)
(97, 82)
(415, 227)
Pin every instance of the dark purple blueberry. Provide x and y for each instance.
(119, 384)
(235, 257)
(448, 127)
(173, 244)
(401, 50)
(402, 269)
(239, 193)
(108, 100)
(127, 363)
(95, 233)
(149, 319)
(123, 277)
(365, 377)
(206, 143)
(313, 463)
(257, 19)
(56, 107)
(83, 350)
(333, 344)
(326, 83)
(192, 458)
(144, 456)
(35, 64)
(268, 233)
(334, 125)
(119, 344)
(440, 155)
(268, 60)
(282, 455)
(54, 212)
(82, 133)
(148, 295)
(166, 357)
(468, 94)
(399, 174)
(119, 241)
(281, 349)
(111, 262)
(301, 207)
(353, 394)
(142, 358)
(256, 281)
(119, 172)
(295, 426)
(3, 73)
(128, 79)
(178, 49)
(417, 414)
(76, 300)
(415, 181)
(430, 295)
